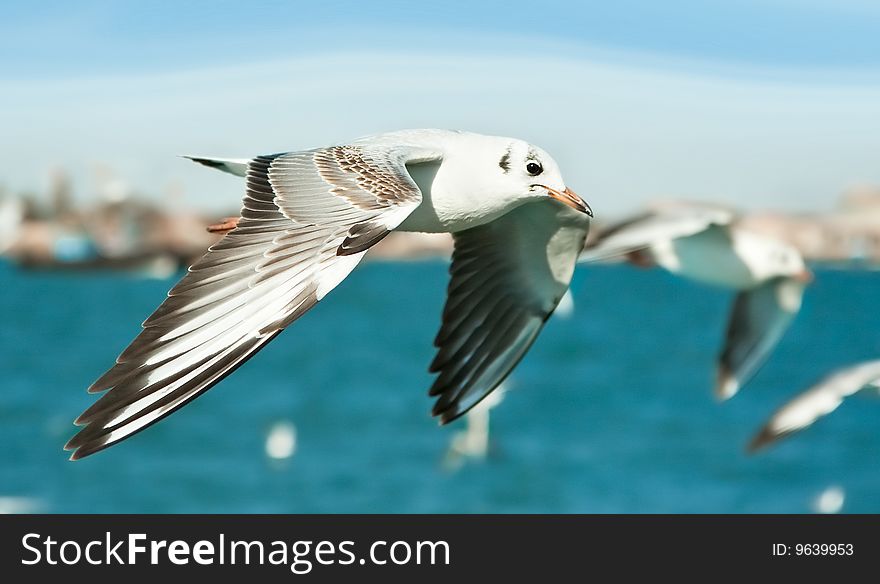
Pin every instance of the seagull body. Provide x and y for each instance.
(730, 258)
(706, 244)
(308, 218)
(819, 400)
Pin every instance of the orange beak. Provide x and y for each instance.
(805, 276)
(570, 198)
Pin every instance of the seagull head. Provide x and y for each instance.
(528, 173)
(785, 260)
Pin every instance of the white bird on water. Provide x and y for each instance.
(473, 441)
(707, 244)
(307, 220)
(281, 440)
(819, 400)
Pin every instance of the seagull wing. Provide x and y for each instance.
(307, 219)
(759, 318)
(819, 400)
(507, 278)
(646, 229)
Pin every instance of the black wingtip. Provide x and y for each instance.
(75, 454)
(83, 448)
(84, 442)
(205, 161)
(446, 417)
(74, 444)
(760, 441)
(448, 412)
(81, 453)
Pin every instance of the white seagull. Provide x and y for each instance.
(819, 400)
(473, 441)
(307, 220)
(706, 244)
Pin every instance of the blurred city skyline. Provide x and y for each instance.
(769, 104)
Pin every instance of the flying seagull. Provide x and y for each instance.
(708, 245)
(307, 220)
(819, 400)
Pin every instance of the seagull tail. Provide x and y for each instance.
(235, 166)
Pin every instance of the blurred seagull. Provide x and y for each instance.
(473, 441)
(307, 220)
(819, 400)
(705, 244)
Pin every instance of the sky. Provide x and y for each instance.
(757, 103)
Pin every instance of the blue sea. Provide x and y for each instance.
(610, 412)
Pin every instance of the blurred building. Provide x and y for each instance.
(848, 232)
(121, 229)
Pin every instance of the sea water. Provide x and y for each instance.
(610, 412)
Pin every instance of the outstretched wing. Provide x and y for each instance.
(819, 400)
(759, 318)
(646, 229)
(307, 219)
(507, 278)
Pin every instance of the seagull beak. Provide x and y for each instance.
(570, 198)
(805, 276)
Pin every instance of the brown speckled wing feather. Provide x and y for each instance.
(306, 221)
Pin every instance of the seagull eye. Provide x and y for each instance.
(534, 169)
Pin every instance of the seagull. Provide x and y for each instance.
(473, 441)
(819, 400)
(707, 244)
(309, 217)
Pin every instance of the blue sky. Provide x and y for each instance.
(73, 38)
(758, 102)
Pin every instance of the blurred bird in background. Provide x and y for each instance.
(706, 244)
(819, 400)
(473, 442)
